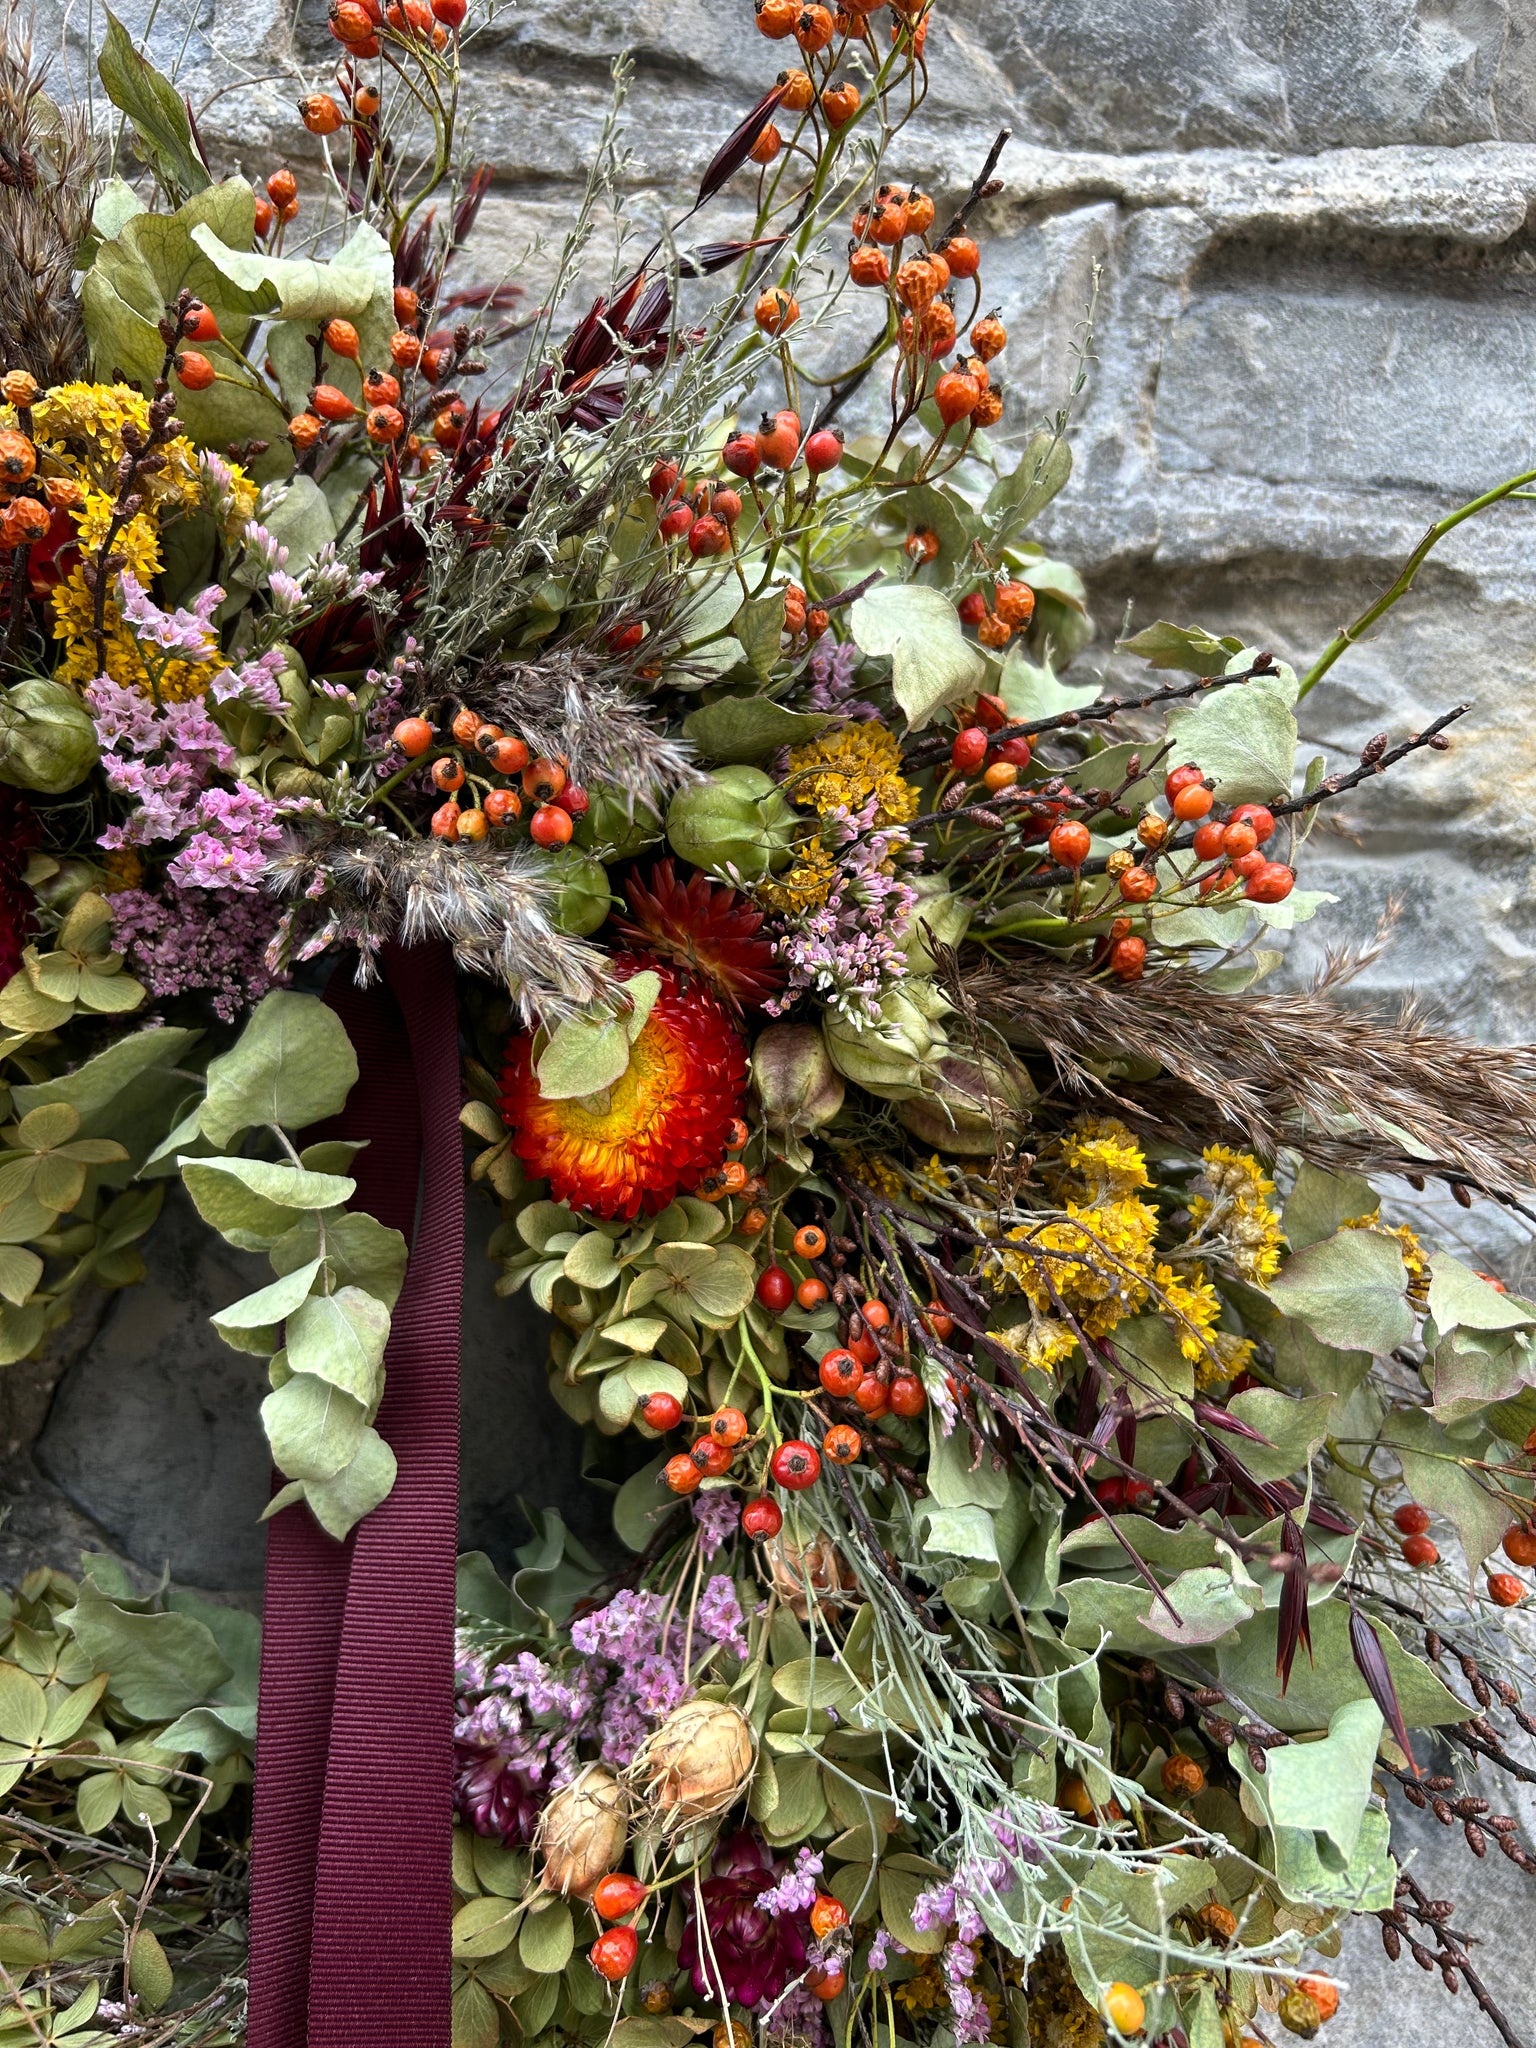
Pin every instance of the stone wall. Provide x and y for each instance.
(1314, 333)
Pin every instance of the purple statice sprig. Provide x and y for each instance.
(795, 1891)
(833, 667)
(718, 1516)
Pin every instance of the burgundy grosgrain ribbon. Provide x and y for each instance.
(351, 1889)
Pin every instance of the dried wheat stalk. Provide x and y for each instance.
(1352, 1089)
(49, 165)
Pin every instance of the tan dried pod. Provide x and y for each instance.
(582, 1833)
(696, 1764)
(818, 1564)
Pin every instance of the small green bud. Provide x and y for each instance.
(47, 740)
(737, 821)
(895, 1054)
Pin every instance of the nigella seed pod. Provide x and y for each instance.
(895, 1054)
(797, 1085)
(582, 1833)
(695, 1765)
(736, 820)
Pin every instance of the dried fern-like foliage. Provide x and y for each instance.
(49, 164)
(573, 705)
(364, 889)
(1352, 1089)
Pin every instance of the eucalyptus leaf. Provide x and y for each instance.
(291, 1066)
(340, 1338)
(1243, 737)
(314, 1428)
(932, 662)
(268, 1304)
(1189, 648)
(1325, 1786)
(547, 1938)
(588, 1053)
(1350, 1290)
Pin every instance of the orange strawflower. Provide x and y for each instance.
(663, 1123)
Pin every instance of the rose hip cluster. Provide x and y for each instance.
(703, 514)
(1412, 1523)
(481, 752)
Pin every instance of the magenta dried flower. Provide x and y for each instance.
(741, 1954)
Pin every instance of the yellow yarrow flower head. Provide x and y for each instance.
(1043, 1343)
(1232, 1355)
(1095, 1263)
(805, 885)
(842, 771)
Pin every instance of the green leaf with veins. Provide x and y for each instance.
(314, 1428)
(291, 1066)
(1350, 1290)
(932, 662)
(590, 1052)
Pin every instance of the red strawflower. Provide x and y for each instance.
(18, 835)
(705, 928)
(749, 1955)
(661, 1126)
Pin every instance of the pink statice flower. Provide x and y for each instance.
(188, 635)
(848, 951)
(185, 941)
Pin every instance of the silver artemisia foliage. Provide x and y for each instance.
(364, 890)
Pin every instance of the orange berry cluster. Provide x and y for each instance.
(1012, 604)
(384, 418)
(921, 285)
(1420, 1551)
(27, 501)
(871, 1367)
(558, 802)
(361, 26)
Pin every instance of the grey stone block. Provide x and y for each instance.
(1132, 76)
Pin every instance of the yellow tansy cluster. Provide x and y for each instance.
(1193, 1304)
(1096, 1160)
(926, 1992)
(1096, 1262)
(875, 1172)
(843, 770)
(1059, 2015)
(1238, 1212)
(79, 430)
(1043, 1343)
(805, 885)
